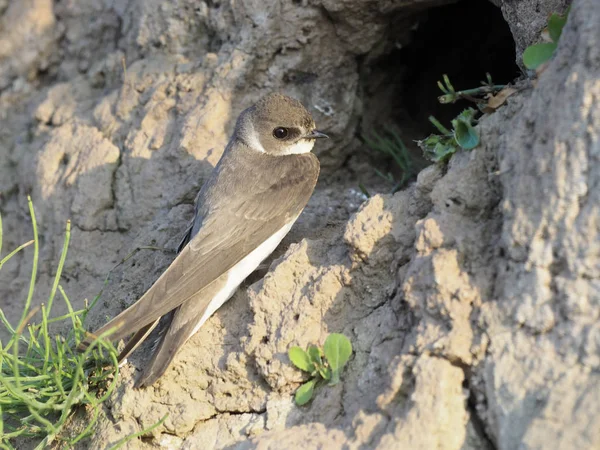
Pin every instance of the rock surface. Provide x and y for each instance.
(471, 297)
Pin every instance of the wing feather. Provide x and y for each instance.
(247, 199)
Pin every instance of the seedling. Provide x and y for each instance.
(323, 365)
(390, 144)
(536, 55)
(452, 96)
(439, 148)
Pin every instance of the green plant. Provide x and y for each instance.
(452, 96)
(390, 144)
(364, 190)
(439, 148)
(537, 54)
(322, 364)
(126, 439)
(42, 377)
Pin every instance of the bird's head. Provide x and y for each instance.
(278, 125)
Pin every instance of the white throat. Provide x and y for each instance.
(302, 146)
(252, 139)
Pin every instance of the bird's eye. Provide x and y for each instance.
(280, 132)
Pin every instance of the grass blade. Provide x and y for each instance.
(123, 441)
(61, 264)
(36, 254)
(14, 252)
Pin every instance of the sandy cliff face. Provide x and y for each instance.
(471, 297)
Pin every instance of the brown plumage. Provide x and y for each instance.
(255, 192)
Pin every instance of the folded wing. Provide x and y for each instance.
(238, 209)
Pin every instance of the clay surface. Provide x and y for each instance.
(471, 297)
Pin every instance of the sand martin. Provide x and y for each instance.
(252, 198)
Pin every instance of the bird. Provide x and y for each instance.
(253, 196)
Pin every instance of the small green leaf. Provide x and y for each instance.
(468, 115)
(556, 23)
(448, 84)
(300, 359)
(465, 134)
(325, 372)
(437, 148)
(443, 151)
(536, 55)
(314, 355)
(337, 350)
(305, 392)
(442, 87)
(316, 360)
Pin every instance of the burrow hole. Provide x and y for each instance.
(464, 40)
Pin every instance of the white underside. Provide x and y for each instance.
(241, 270)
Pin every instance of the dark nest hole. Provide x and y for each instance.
(464, 40)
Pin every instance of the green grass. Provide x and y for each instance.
(140, 433)
(391, 145)
(43, 378)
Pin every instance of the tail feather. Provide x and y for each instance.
(133, 318)
(182, 327)
(135, 340)
(117, 325)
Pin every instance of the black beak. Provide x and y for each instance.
(315, 134)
